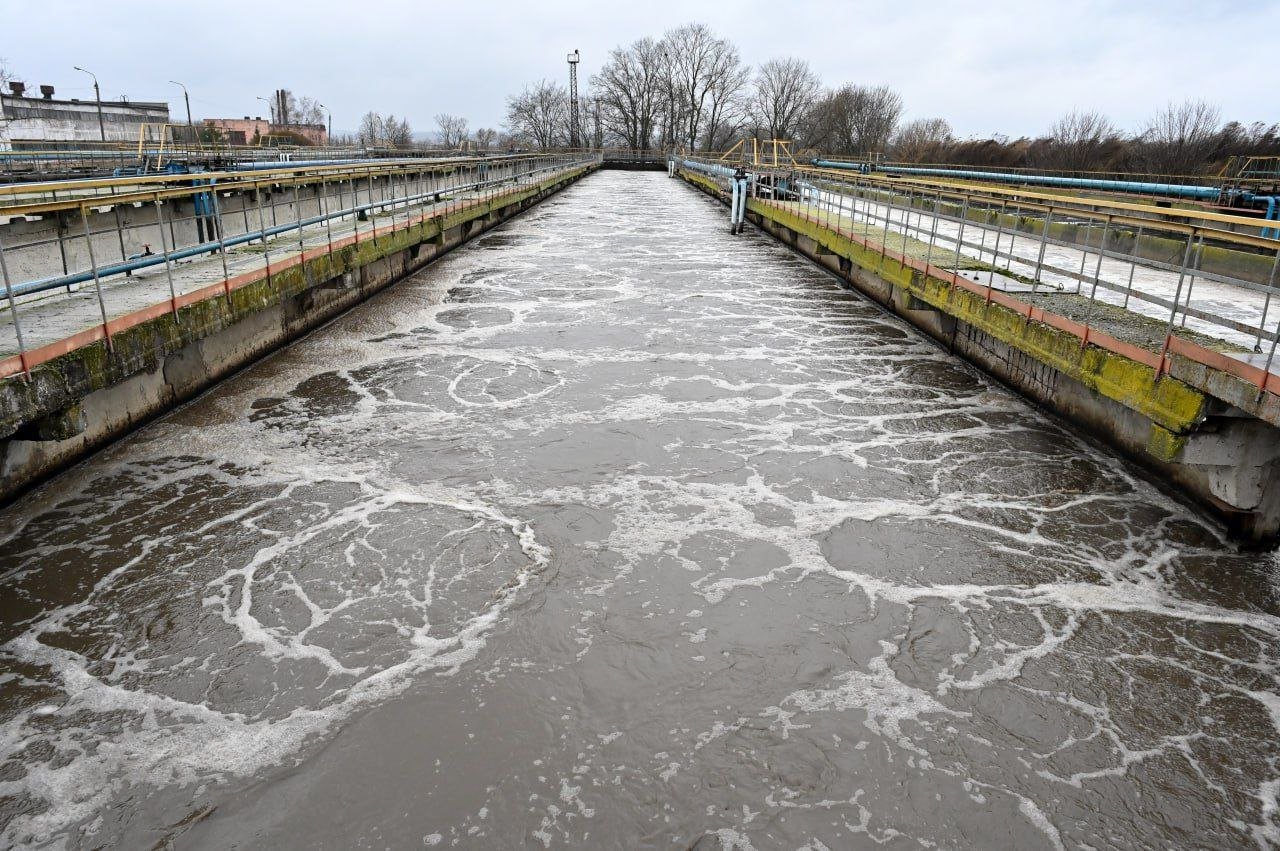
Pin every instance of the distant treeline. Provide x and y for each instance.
(690, 88)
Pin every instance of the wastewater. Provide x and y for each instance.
(610, 529)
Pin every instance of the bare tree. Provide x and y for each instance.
(307, 110)
(378, 129)
(452, 130)
(728, 107)
(629, 90)
(1180, 139)
(371, 130)
(485, 137)
(785, 92)
(398, 132)
(706, 75)
(855, 119)
(6, 72)
(1078, 141)
(922, 140)
(287, 108)
(539, 115)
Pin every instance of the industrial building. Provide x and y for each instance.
(27, 121)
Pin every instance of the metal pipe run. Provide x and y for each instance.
(1171, 190)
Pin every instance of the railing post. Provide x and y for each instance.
(1266, 370)
(325, 211)
(964, 217)
(168, 268)
(1013, 236)
(995, 251)
(262, 231)
(1097, 274)
(97, 281)
(866, 217)
(222, 240)
(1177, 297)
(1084, 255)
(1266, 304)
(1191, 282)
(933, 231)
(13, 311)
(297, 214)
(1044, 243)
(355, 210)
(1133, 266)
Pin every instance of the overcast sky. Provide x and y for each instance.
(991, 67)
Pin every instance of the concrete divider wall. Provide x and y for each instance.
(93, 394)
(1209, 434)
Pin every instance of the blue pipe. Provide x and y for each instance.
(1273, 212)
(143, 262)
(1174, 190)
(863, 168)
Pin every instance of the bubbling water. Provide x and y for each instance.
(610, 529)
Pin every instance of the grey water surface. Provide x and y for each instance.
(612, 530)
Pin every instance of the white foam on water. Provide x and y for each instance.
(784, 412)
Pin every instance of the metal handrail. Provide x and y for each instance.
(867, 194)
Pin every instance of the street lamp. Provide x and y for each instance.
(97, 97)
(270, 112)
(328, 133)
(191, 130)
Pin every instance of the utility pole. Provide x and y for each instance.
(575, 131)
(191, 128)
(97, 98)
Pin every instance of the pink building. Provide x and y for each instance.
(240, 131)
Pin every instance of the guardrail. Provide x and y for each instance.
(1195, 282)
(192, 220)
